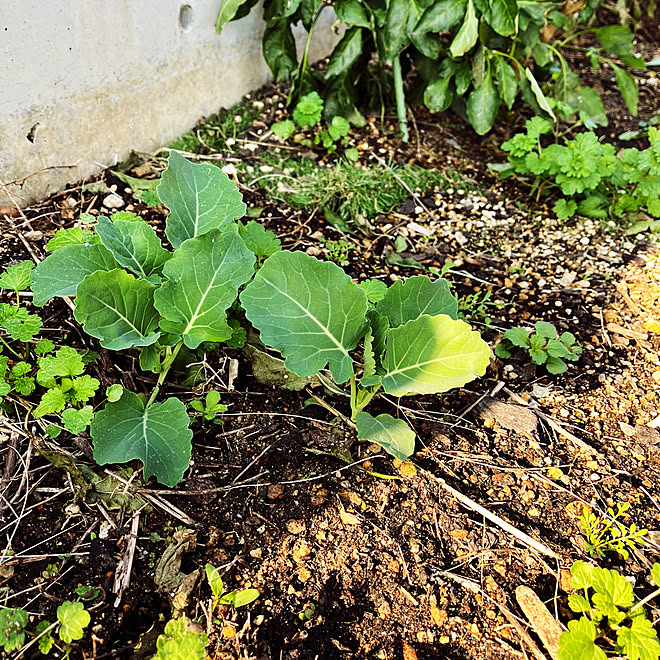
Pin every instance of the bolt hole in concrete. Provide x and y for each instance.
(32, 133)
(186, 16)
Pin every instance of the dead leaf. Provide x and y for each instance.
(507, 415)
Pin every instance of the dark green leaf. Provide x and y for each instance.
(441, 16)
(507, 84)
(503, 16)
(228, 9)
(592, 111)
(345, 53)
(615, 39)
(351, 12)
(393, 435)
(482, 106)
(279, 49)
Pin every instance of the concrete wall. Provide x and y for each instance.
(83, 83)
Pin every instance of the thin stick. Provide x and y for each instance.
(503, 524)
(123, 573)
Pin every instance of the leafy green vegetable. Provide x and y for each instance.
(157, 435)
(309, 108)
(179, 643)
(394, 435)
(309, 310)
(200, 198)
(72, 236)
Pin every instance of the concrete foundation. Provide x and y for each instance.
(81, 84)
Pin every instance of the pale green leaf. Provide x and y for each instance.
(179, 643)
(578, 643)
(83, 388)
(203, 280)
(52, 401)
(214, 580)
(538, 93)
(76, 421)
(23, 326)
(117, 308)
(61, 272)
(158, 436)
(393, 435)
(432, 354)
(640, 641)
(592, 111)
(244, 597)
(71, 236)
(259, 240)
(114, 392)
(612, 590)
(17, 277)
(200, 197)
(134, 245)
(375, 289)
(73, 618)
(407, 300)
(309, 310)
(66, 362)
(466, 37)
(228, 9)
(655, 574)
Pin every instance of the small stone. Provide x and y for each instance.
(229, 632)
(113, 201)
(296, 526)
(256, 553)
(275, 491)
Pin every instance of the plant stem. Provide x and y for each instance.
(167, 363)
(400, 98)
(641, 603)
(10, 348)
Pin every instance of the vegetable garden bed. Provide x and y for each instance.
(405, 529)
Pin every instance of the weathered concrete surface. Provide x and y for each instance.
(81, 84)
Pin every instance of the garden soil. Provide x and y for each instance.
(370, 558)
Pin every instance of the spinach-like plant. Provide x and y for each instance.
(594, 179)
(132, 293)
(610, 534)
(471, 55)
(612, 622)
(545, 346)
(315, 315)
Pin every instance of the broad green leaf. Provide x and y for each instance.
(439, 95)
(179, 643)
(73, 618)
(615, 39)
(61, 272)
(203, 280)
(545, 329)
(309, 310)
(394, 34)
(640, 641)
(43, 346)
(17, 277)
(432, 354)
(369, 377)
(503, 16)
(76, 421)
(507, 84)
(12, 626)
(538, 94)
(579, 642)
(578, 603)
(627, 87)
(200, 197)
(66, 362)
(117, 308)
(555, 365)
(482, 105)
(592, 111)
(284, 129)
(345, 53)
(134, 245)
(441, 16)
(228, 9)
(279, 49)
(466, 37)
(393, 435)
(83, 388)
(407, 300)
(158, 436)
(23, 326)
